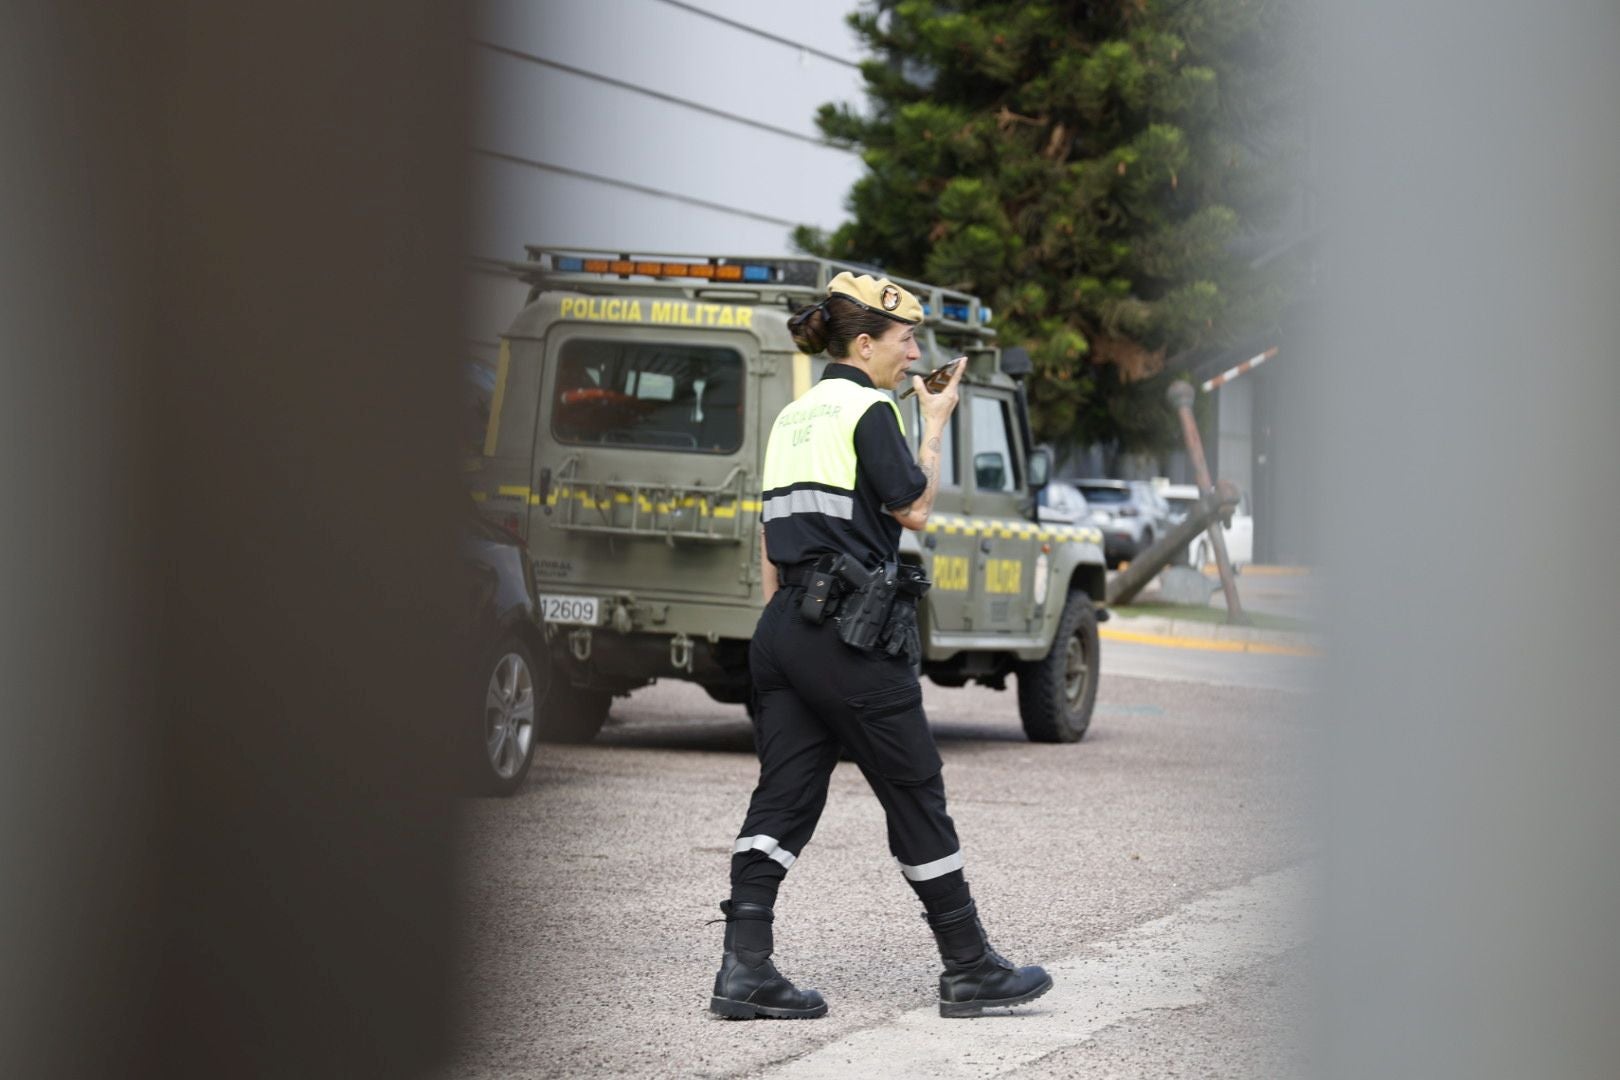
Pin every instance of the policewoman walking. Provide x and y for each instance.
(833, 659)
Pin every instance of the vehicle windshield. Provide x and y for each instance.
(1181, 504)
(648, 395)
(1105, 494)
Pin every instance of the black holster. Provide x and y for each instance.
(875, 610)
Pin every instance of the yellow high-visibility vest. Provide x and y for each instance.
(813, 443)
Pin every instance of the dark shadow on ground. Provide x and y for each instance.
(726, 736)
(703, 736)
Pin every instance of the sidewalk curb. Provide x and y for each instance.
(1184, 634)
(1272, 570)
(1258, 570)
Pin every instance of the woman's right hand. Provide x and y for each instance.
(937, 407)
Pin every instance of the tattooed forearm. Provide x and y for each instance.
(915, 516)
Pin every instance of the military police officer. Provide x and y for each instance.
(834, 657)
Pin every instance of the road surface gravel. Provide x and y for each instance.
(589, 951)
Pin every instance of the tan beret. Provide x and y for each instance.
(877, 294)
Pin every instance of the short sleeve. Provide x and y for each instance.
(885, 459)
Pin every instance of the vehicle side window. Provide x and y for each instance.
(995, 468)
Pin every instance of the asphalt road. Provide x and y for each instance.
(1159, 868)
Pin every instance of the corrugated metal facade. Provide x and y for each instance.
(652, 125)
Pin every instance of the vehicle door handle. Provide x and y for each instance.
(545, 490)
(984, 545)
(930, 541)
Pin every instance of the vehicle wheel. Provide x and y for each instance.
(512, 686)
(573, 714)
(1056, 693)
(728, 693)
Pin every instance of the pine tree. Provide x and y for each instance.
(1090, 169)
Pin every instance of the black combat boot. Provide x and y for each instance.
(975, 975)
(748, 985)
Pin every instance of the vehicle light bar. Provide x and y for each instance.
(714, 271)
(798, 278)
(958, 312)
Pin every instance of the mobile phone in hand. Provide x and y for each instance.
(935, 380)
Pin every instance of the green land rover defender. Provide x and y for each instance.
(632, 400)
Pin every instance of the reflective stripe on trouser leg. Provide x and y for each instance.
(768, 846)
(930, 870)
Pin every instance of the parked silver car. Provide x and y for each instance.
(1061, 503)
(1130, 514)
(1238, 529)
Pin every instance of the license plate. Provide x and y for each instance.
(578, 610)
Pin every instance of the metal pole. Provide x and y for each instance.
(1181, 397)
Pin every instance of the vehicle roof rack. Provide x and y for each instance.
(794, 279)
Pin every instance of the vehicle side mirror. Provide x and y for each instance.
(1040, 467)
(990, 471)
(1015, 361)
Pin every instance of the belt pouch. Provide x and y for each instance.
(818, 590)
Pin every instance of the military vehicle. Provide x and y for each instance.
(632, 400)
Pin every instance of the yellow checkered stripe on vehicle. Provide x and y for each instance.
(948, 524)
(587, 499)
(1012, 529)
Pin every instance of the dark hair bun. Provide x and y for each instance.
(809, 328)
(834, 324)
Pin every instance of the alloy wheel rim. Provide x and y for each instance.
(509, 715)
(1075, 670)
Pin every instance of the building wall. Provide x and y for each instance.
(1234, 457)
(647, 126)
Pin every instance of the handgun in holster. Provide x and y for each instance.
(864, 610)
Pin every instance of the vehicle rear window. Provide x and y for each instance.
(1105, 494)
(649, 395)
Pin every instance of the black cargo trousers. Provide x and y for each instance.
(815, 695)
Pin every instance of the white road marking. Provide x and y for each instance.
(1164, 964)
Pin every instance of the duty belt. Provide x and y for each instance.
(875, 610)
(798, 574)
(802, 575)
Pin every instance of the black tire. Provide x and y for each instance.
(573, 714)
(511, 690)
(1057, 692)
(728, 693)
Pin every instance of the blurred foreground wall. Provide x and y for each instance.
(1469, 475)
(230, 242)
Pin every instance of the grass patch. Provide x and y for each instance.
(1214, 613)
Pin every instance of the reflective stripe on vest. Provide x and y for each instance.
(808, 501)
(813, 442)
